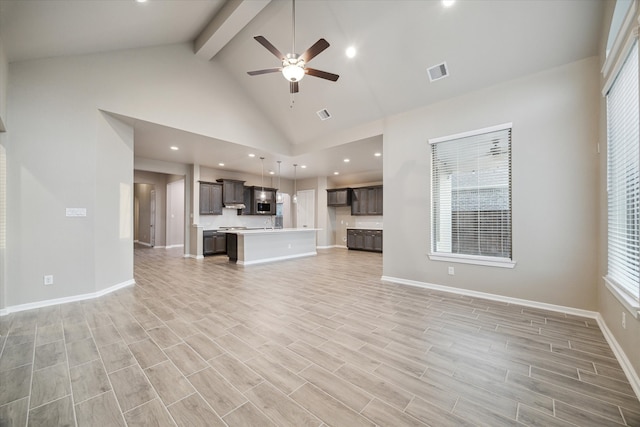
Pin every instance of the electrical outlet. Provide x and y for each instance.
(451, 271)
(48, 280)
(624, 320)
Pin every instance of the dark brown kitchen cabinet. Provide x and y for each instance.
(214, 242)
(339, 197)
(232, 191)
(210, 198)
(270, 199)
(364, 239)
(367, 200)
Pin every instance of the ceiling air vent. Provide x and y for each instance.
(323, 114)
(438, 72)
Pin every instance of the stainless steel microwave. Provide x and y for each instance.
(263, 207)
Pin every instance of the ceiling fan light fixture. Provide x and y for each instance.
(293, 68)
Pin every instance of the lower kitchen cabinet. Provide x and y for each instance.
(364, 239)
(214, 243)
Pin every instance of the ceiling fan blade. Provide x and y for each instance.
(322, 74)
(293, 87)
(271, 48)
(265, 71)
(314, 50)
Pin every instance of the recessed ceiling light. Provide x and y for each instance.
(141, 1)
(174, 148)
(448, 3)
(350, 52)
(377, 154)
(220, 164)
(347, 160)
(336, 173)
(272, 173)
(303, 166)
(251, 155)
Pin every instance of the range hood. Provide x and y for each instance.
(234, 206)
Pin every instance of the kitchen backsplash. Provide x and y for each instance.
(374, 222)
(230, 218)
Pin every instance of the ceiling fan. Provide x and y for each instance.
(294, 66)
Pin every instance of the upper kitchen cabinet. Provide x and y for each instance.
(339, 197)
(210, 198)
(266, 206)
(232, 191)
(367, 200)
(254, 205)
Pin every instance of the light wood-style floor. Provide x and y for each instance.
(318, 341)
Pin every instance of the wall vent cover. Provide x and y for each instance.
(324, 114)
(438, 72)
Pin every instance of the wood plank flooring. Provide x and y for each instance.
(317, 341)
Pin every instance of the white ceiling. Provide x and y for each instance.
(483, 42)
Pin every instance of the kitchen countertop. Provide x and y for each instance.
(270, 230)
(364, 228)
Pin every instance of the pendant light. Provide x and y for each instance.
(295, 182)
(279, 197)
(263, 196)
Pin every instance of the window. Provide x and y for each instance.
(471, 197)
(623, 179)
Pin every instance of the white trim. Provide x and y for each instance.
(620, 37)
(625, 364)
(280, 258)
(624, 53)
(172, 246)
(471, 259)
(193, 256)
(471, 133)
(633, 306)
(494, 297)
(325, 247)
(144, 243)
(64, 300)
(158, 247)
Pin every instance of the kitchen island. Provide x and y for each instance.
(246, 247)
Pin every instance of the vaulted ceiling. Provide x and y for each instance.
(483, 42)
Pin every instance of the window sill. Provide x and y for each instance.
(630, 303)
(470, 259)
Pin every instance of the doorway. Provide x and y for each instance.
(152, 218)
(306, 209)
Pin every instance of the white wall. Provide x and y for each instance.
(62, 152)
(3, 86)
(3, 178)
(555, 208)
(113, 205)
(175, 212)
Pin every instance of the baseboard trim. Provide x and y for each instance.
(494, 297)
(331, 247)
(64, 300)
(624, 361)
(626, 365)
(193, 256)
(144, 243)
(281, 258)
(173, 246)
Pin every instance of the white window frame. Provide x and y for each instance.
(488, 261)
(630, 301)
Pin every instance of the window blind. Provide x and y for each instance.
(471, 194)
(623, 177)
